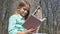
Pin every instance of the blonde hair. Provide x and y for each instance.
(23, 3)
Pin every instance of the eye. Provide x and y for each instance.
(24, 9)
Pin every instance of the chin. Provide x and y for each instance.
(23, 15)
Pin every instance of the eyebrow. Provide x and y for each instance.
(26, 8)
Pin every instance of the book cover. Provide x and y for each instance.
(32, 22)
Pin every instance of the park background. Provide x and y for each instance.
(50, 9)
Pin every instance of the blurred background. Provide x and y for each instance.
(49, 9)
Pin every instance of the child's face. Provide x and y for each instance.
(24, 10)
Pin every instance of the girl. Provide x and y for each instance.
(18, 19)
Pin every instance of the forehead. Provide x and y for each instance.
(26, 7)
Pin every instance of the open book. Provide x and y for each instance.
(32, 22)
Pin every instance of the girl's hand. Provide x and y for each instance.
(30, 30)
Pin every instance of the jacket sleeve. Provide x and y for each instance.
(12, 24)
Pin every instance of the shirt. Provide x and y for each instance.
(15, 24)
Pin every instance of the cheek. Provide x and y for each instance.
(24, 13)
(21, 10)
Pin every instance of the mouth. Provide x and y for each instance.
(24, 14)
